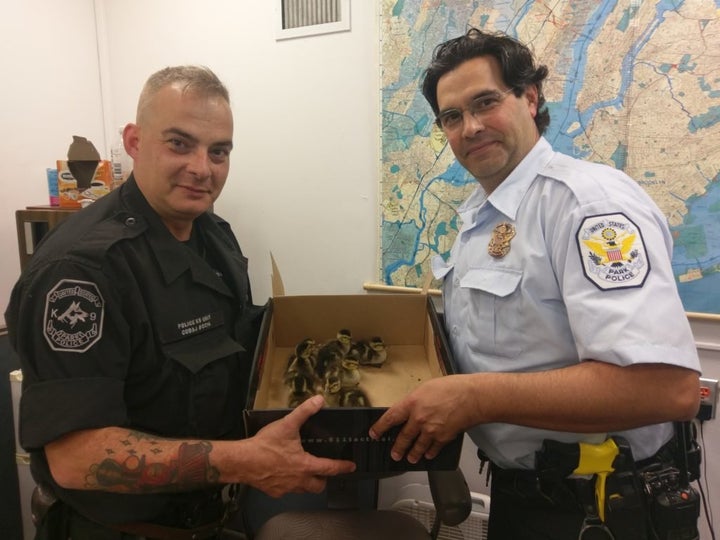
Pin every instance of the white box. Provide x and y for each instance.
(25, 479)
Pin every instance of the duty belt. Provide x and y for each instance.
(43, 498)
(528, 485)
(200, 532)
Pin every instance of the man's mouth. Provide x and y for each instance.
(195, 190)
(479, 147)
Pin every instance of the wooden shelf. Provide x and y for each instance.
(33, 223)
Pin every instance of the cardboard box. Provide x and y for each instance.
(83, 177)
(416, 351)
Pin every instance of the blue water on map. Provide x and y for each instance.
(697, 245)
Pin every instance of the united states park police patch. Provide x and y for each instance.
(612, 252)
(73, 318)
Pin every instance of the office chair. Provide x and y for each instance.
(450, 495)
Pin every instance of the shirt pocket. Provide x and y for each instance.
(210, 382)
(196, 352)
(495, 302)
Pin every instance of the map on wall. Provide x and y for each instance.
(633, 83)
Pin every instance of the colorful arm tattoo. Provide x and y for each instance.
(146, 469)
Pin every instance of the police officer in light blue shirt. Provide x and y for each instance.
(559, 298)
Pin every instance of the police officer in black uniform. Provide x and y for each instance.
(135, 327)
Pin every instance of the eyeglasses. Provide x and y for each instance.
(452, 119)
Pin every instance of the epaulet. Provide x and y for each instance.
(88, 238)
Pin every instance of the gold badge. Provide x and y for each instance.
(499, 245)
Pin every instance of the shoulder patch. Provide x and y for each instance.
(73, 318)
(612, 252)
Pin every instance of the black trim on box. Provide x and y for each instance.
(442, 345)
(343, 434)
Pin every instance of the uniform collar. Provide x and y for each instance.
(510, 193)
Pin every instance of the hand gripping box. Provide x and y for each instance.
(416, 350)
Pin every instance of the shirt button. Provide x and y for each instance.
(130, 222)
(455, 331)
(456, 282)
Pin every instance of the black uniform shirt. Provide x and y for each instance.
(117, 323)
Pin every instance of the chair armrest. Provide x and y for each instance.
(451, 496)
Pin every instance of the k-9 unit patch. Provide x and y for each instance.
(612, 252)
(73, 318)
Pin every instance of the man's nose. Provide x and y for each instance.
(199, 163)
(472, 123)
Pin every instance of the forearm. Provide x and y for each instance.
(589, 397)
(129, 461)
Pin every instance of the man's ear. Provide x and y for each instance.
(532, 97)
(131, 138)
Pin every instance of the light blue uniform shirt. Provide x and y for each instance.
(588, 276)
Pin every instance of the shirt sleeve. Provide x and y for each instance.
(613, 256)
(73, 345)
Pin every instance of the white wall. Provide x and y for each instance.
(50, 92)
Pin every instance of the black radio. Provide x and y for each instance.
(674, 508)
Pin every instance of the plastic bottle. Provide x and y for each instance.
(120, 160)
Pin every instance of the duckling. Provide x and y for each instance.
(344, 338)
(300, 371)
(349, 372)
(333, 350)
(353, 397)
(372, 353)
(332, 387)
(305, 356)
(301, 388)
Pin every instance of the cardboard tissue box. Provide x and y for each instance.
(416, 351)
(83, 177)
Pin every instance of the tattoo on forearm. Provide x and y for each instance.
(142, 470)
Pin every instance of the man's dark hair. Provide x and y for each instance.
(517, 65)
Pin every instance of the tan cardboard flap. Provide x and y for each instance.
(278, 289)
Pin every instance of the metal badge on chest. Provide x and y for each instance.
(499, 245)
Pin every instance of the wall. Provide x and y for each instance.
(707, 336)
(50, 92)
